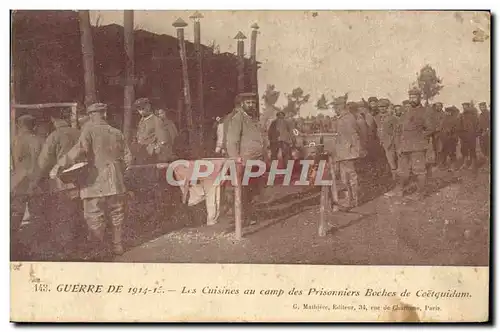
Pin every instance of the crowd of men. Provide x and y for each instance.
(100, 192)
(410, 138)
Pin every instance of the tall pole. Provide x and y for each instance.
(88, 57)
(196, 17)
(128, 25)
(253, 60)
(240, 37)
(179, 24)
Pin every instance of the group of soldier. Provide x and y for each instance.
(410, 139)
(100, 191)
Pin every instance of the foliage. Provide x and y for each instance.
(429, 83)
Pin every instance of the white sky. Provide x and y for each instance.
(363, 53)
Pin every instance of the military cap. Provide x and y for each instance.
(466, 104)
(414, 92)
(339, 100)
(383, 102)
(452, 109)
(141, 102)
(245, 96)
(97, 107)
(406, 102)
(352, 106)
(280, 112)
(482, 103)
(375, 99)
(26, 120)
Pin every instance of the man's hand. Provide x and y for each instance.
(54, 172)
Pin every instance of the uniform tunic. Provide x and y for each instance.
(413, 141)
(244, 137)
(153, 134)
(103, 190)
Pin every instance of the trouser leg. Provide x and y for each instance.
(17, 209)
(116, 206)
(285, 152)
(390, 154)
(94, 211)
(418, 165)
(349, 177)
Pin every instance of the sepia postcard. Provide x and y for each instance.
(250, 166)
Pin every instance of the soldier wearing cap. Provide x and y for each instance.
(373, 105)
(449, 137)
(469, 130)
(64, 196)
(281, 137)
(348, 149)
(152, 135)
(387, 134)
(412, 146)
(484, 126)
(26, 147)
(406, 105)
(103, 192)
(245, 141)
(398, 110)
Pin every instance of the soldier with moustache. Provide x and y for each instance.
(348, 149)
(413, 144)
(244, 142)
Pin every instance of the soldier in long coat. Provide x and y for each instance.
(245, 141)
(484, 127)
(469, 130)
(64, 200)
(448, 135)
(387, 134)
(152, 135)
(413, 143)
(348, 149)
(26, 147)
(103, 191)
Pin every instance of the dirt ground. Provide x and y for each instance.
(449, 227)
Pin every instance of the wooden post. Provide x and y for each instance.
(128, 25)
(88, 57)
(196, 17)
(238, 213)
(240, 37)
(334, 191)
(322, 206)
(253, 57)
(179, 24)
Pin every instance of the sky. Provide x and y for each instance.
(362, 53)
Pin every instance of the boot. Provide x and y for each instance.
(117, 240)
(398, 190)
(421, 188)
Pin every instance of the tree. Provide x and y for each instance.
(294, 101)
(322, 103)
(429, 83)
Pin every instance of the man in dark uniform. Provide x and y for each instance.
(26, 147)
(152, 135)
(448, 137)
(386, 134)
(64, 212)
(245, 141)
(469, 129)
(435, 114)
(484, 126)
(413, 144)
(103, 191)
(281, 137)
